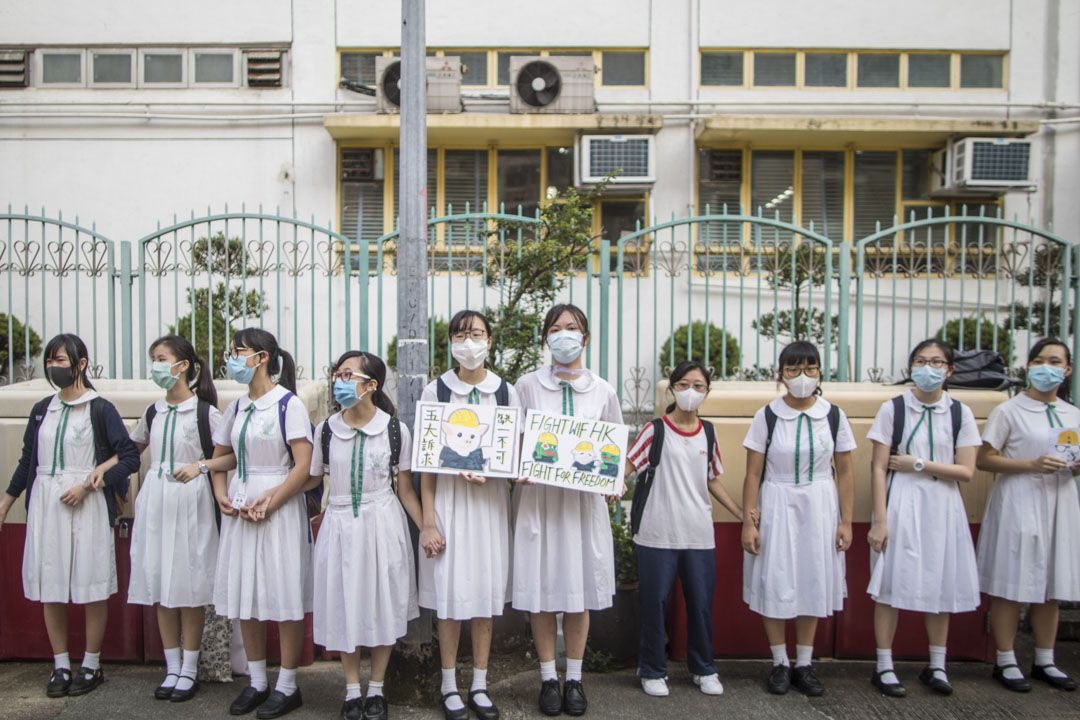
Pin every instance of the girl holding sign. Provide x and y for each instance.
(793, 566)
(677, 460)
(563, 553)
(365, 589)
(923, 558)
(467, 521)
(1031, 529)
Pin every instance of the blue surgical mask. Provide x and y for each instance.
(161, 374)
(565, 346)
(928, 379)
(1045, 378)
(345, 393)
(238, 369)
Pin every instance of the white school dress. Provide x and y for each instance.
(471, 577)
(174, 541)
(678, 515)
(563, 552)
(798, 571)
(264, 567)
(1029, 543)
(69, 553)
(365, 582)
(929, 560)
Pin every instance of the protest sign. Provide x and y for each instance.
(1064, 443)
(574, 452)
(452, 438)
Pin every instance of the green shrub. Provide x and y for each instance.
(721, 344)
(17, 345)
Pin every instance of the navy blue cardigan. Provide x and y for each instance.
(119, 443)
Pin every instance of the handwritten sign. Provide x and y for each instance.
(1064, 443)
(451, 438)
(574, 453)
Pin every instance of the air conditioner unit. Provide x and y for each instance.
(981, 165)
(443, 84)
(631, 157)
(561, 84)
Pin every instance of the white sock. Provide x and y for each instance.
(62, 661)
(779, 655)
(573, 669)
(449, 685)
(937, 657)
(374, 689)
(91, 661)
(479, 686)
(803, 655)
(257, 673)
(172, 660)
(286, 681)
(1044, 658)
(547, 671)
(1009, 658)
(190, 670)
(885, 666)
(352, 692)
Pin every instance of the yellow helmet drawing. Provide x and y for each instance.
(1068, 437)
(584, 447)
(610, 450)
(548, 438)
(464, 418)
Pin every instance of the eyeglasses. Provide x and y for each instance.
(349, 376)
(473, 334)
(811, 371)
(936, 363)
(683, 385)
(228, 354)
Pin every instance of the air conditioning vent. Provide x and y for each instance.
(443, 84)
(361, 164)
(264, 68)
(630, 157)
(14, 69)
(982, 165)
(561, 84)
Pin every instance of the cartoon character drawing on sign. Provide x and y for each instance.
(585, 457)
(1068, 446)
(461, 441)
(609, 461)
(547, 449)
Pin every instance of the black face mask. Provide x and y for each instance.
(61, 377)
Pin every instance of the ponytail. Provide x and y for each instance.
(382, 401)
(204, 384)
(278, 361)
(287, 379)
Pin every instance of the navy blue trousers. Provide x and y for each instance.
(656, 577)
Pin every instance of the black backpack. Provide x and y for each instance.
(502, 394)
(956, 415)
(770, 425)
(393, 429)
(645, 479)
(980, 369)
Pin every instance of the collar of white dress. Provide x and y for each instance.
(488, 385)
(375, 426)
(1030, 404)
(162, 405)
(582, 383)
(268, 400)
(86, 397)
(941, 406)
(818, 410)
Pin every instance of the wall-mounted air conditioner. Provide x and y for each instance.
(632, 158)
(561, 84)
(443, 84)
(987, 165)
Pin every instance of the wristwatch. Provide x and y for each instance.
(919, 465)
(203, 469)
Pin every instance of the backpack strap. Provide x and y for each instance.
(645, 479)
(956, 411)
(394, 432)
(657, 446)
(101, 433)
(770, 426)
(898, 414)
(324, 441)
(283, 407)
(202, 418)
(710, 444)
(150, 414)
(834, 423)
(442, 391)
(502, 395)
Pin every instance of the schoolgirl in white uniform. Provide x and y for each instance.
(467, 524)
(1029, 542)
(563, 552)
(365, 582)
(922, 555)
(175, 538)
(264, 553)
(69, 554)
(789, 570)
(674, 529)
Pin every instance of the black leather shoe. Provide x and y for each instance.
(59, 683)
(279, 704)
(1061, 683)
(184, 695)
(573, 698)
(353, 709)
(375, 708)
(779, 679)
(550, 698)
(1020, 684)
(484, 713)
(248, 700)
(805, 680)
(462, 714)
(935, 682)
(85, 681)
(895, 689)
(163, 692)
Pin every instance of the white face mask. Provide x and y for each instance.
(689, 399)
(801, 386)
(470, 353)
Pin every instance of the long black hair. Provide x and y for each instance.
(680, 371)
(277, 360)
(76, 351)
(944, 346)
(372, 366)
(798, 353)
(1064, 390)
(197, 377)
